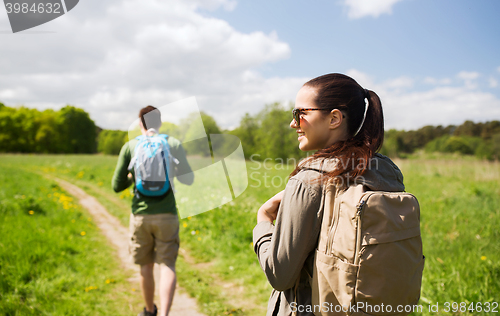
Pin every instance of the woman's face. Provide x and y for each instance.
(314, 131)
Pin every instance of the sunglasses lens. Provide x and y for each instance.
(296, 116)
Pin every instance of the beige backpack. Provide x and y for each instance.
(369, 258)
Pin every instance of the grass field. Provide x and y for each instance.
(53, 259)
(460, 211)
(460, 221)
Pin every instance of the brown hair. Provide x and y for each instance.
(152, 120)
(338, 91)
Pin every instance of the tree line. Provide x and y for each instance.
(469, 138)
(68, 130)
(266, 134)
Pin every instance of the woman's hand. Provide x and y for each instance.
(269, 210)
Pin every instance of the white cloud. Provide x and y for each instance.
(468, 75)
(113, 57)
(362, 78)
(493, 82)
(439, 106)
(12, 93)
(469, 78)
(398, 83)
(362, 8)
(434, 81)
(443, 105)
(228, 5)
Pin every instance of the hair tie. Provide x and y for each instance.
(367, 103)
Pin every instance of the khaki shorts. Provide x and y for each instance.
(154, 238)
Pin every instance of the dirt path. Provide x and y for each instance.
(118, 236)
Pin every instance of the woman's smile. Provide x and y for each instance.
(301, 134)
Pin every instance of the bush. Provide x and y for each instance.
(437, 144)
(69, 130)
(110, 142)
(457, 144)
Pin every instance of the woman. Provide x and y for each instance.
(344, 124)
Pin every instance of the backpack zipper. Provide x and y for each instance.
(359, 207)
(357, 251)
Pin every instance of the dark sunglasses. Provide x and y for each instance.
(298, 112)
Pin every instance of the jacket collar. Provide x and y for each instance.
(381, 174)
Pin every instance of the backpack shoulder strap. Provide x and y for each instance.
(134, 153)
(165, 137)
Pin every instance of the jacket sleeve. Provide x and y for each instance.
(120, 180)
(283, 249)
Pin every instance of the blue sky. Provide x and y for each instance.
(431, 62)
(419, 38)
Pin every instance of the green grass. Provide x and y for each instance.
(92, 173)
(460, 212)
(53, 259)
(460, 221)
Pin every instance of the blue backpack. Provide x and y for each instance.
(151, 163)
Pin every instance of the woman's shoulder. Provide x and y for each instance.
(312, 172)
(320, 164)
(316, 166)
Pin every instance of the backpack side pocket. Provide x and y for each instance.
(390, 260)
(333, 284)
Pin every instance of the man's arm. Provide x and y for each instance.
(120, 180)
(182, 170)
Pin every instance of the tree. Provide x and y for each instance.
(391, 144)
(7, 128)
(468, 128)
(489, 129)
(77, 131)
(18, 128)
(197, 145)
(170, 129)
(271, 138)
(110, 142)
(46, 137)
(456, 144)
(495, 146)
(246, 132)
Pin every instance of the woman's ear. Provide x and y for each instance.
(336, 118)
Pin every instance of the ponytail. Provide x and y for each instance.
(371, 131)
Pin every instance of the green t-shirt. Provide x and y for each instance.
(151, 205)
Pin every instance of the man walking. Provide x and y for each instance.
(154, 224)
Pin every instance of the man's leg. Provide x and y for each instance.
(148, 286)
(167, 288)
